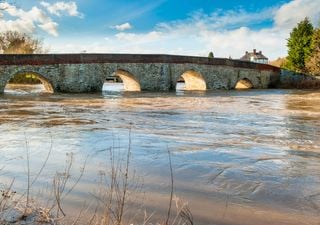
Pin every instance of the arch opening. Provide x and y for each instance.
(244, 84)
(191, 81)
(121, 80)
(28, 83)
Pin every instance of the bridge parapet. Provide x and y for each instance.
(49, 59)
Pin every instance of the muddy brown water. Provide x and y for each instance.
(238, 157)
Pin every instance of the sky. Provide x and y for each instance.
(228, 28)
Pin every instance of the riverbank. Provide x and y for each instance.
(289, 79)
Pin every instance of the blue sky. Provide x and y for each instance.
(186, 27)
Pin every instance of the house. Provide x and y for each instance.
(255, 56)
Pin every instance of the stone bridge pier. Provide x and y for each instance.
(81, 73)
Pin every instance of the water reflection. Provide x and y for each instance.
(112, 87)
(24, 89)
(253, 152)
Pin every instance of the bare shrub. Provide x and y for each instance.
(117, 188)
(13, 42)
(62, 186)
(116, 200)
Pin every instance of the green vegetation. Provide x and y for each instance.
(299, 46)
(25, 78)
(210, 55)
(303, 49)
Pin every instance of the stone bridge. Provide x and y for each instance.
(81, 73)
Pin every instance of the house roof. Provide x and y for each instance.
(256, 55)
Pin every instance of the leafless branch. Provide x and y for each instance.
(171, 191)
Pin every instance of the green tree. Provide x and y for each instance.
(13, 42)
(299, 46)
(313, 62)
(210, 55)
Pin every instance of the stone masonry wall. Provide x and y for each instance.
(290, 79)
(154, 72)
(79, 78)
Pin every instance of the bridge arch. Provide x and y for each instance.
(194, 81)
(32, 75)
(130, 82)
(244, 83)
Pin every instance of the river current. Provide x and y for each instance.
(238, 157)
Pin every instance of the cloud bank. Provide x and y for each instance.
(226, 33)
(27, 21)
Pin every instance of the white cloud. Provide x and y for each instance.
(123, 27)
(26, 21)
(140, 38)
(293, 12)
(50, 27)
(57, 8)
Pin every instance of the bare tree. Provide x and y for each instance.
(13, 42)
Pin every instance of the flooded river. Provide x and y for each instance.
(238, 157)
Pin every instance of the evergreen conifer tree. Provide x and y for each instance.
(299, 46)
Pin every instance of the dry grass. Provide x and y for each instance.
(113, 194)
(7, 196)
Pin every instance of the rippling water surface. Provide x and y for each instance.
(238, 157)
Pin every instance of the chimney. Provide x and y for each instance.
(260, 52)
(254, 51)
